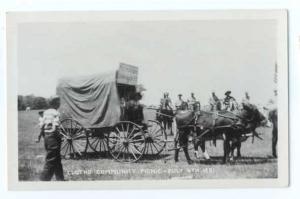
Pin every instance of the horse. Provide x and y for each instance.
(208, 126)
(219, 107)
(165, 117)
(274, 119)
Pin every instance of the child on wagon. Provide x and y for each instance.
(50, 124)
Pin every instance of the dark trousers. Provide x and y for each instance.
(53, 164)
(274, 141)
(183, 143)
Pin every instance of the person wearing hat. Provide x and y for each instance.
(166, 102)
(192, 102)
(52, 139)
(179, 103)
(215, 103)
(229, 101)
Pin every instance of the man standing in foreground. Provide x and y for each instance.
(50, 125)
(273, 117)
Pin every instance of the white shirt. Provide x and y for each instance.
(50, 120)
(179, 103)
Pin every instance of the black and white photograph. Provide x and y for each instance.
(158, 97)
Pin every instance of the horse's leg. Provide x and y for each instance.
(202, 146)
(195, 143)
(176, 149)
(183, 142)
(226, 147)
(232, 146)
(164, 125)
(176, 155)
(238, 148)
(170, 126)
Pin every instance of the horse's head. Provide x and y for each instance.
(251, 115)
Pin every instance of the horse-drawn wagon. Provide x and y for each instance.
(93, 119)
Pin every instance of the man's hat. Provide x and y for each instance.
(228, 93)
(179, 94)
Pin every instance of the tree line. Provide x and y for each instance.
(32, 102)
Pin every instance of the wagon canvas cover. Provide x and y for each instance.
(91, 100)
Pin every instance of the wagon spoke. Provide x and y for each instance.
(155, 133)
(64, 133)
(65, 142)
(159, 144)
(79, 136)
(79, 145)
(65, 136)
(158, 140)
(154, 146)
(78, 151)
(133, 154)
(95, 140)
(78, 130)
(151, 148)
(135, 135)
(98, 141)
(100, 144)
(136, 150)
(68, 145)
(118, 130)
(131, 131)
(122, 128)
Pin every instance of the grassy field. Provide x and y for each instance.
(255, 163)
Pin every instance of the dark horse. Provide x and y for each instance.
(274, 119)
(165, 117)
(208, 126)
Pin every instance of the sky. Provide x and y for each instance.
(172, 56)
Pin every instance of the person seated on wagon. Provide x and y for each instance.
(122, 107)
(229, 101)
(134, 110)
(192, 102)
(166, 102)
(166, 106)
(179, 104)
(215, 103)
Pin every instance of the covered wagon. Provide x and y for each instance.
(93, 117)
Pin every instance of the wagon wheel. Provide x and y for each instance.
(156, 138)
(74, 140)
(98, 142)
(126, 142)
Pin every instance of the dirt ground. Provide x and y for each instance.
(256, 161)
